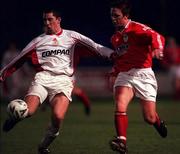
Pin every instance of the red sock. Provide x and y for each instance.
(121, 124)
(84, 98)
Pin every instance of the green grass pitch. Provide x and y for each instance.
(81, 134)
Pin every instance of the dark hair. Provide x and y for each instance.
(55, 12)
(124, 5)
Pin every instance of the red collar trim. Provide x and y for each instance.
(59, 33)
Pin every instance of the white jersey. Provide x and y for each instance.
(54, 53)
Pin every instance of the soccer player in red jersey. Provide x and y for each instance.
(136, 45)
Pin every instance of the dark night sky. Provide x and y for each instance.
(21, 19)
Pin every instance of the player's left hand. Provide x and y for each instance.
(114, 56)
(158, 53)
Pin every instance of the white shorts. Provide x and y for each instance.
(142, 81)
(47, 84)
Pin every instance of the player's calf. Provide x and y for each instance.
(48, 138)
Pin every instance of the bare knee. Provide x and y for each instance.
(59, 106)
(57, 120)
(32, 109)
(150, 119)
(58, 116)
(31, 112)
(121, 106)
(149, 111)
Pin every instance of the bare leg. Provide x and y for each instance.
(59, 106)
(83, 98)
(123, 96)
(151, 116)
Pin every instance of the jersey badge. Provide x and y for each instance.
(55, 41)
(125, 37)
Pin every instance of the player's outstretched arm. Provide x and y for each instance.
(86, 41)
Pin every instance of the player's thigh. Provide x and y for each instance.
(149, 110)
(123, 96)
(59, 105)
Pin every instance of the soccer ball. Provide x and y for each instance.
(17, 109)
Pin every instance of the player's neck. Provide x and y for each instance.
(58, 30)
(120, 28)
(123, 26)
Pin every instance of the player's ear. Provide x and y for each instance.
(126, 17)
(59, 18)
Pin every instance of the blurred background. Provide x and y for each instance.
(21, 21)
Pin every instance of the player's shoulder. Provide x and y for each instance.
(71, 34)
(39, 38)
(37, 41)
(139, 26)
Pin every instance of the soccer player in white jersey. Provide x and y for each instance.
(52, 55)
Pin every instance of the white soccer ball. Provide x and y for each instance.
(17, 109)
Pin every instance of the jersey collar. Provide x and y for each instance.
(59, 33)
(127, 25)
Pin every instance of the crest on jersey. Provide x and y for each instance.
(55, 41)
(125, 37)
(116, 39)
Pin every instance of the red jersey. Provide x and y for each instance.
(135, 44)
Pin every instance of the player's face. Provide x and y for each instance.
(117, 17)
(51, 23)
